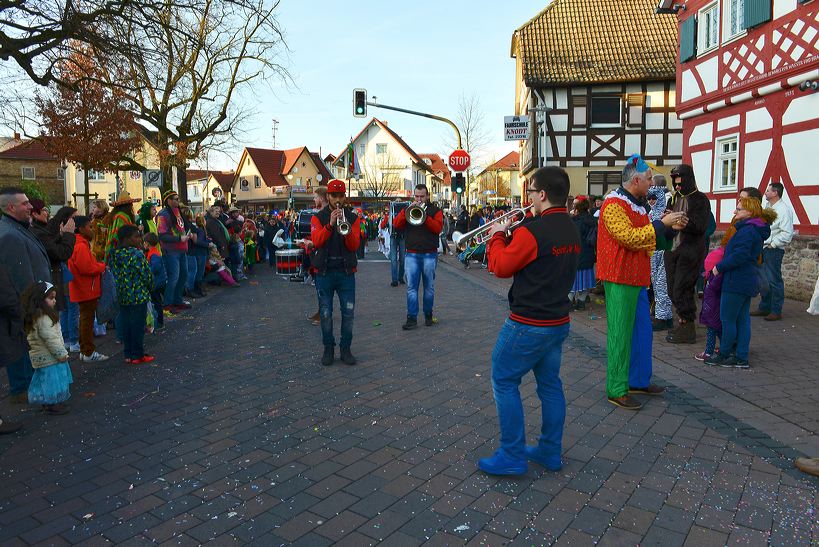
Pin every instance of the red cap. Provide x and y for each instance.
(336, 186)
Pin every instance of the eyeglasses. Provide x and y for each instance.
(530, 190)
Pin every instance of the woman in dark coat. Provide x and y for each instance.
(740, 283)
(57, 236)
(587, 226)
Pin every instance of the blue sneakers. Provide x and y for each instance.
(551, 463)
(499, 464)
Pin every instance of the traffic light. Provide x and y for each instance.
(360, 103)
(458, 183)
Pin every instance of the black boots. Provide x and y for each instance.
(428, 320)
(347, 357)
(410, 324)
(661, 324)
(327, 358)
(685, 333)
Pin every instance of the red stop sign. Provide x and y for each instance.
(459, 160)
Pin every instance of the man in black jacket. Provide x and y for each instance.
(334, 258)
(216, 230)
(682, 263)
(13, 345)
(26, 261)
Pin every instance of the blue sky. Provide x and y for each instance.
(419, 55)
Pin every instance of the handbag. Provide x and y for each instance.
(107, 305)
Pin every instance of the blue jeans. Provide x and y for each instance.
(176, 266)
(735, 315)
(398, 253)
(519, 349)
(20, 373)
(132, 321)
(70, 321)
(191, 277)
(418, 265)
(772, 262)
(344, 285)
(642, 336)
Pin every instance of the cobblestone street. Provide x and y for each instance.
(236, 434)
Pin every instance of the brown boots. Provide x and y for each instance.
(685, 333)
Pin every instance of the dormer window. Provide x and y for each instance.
(428, 161)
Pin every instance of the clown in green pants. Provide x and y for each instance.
(629, 340)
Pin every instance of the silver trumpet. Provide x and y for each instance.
(417, 214)
(481, 234)
(342, 225)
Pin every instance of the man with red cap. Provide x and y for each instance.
(336, 234)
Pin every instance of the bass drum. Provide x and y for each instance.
(303, 223)
(288, 261)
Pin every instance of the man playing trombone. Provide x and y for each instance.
(335, 232)
(421, 222)
(542, 256)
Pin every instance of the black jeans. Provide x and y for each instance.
(682, 267)
(156, 299)
(133, 329)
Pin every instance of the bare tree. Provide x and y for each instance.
(186, 84)
(471, 121)
(381, 176)
(494, 180)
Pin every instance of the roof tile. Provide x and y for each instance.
(580, 41)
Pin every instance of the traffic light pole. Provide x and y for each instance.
(422, 114)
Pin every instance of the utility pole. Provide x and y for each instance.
(275, 131)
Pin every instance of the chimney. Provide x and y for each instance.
(16, 136)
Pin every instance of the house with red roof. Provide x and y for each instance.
(277, 179)
(439, 179)
(499, 183)
(28, 161)
(378, 164)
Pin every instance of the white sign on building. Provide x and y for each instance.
(515, 128)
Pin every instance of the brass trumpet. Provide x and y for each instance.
(342, 225)
(417, 214)
(481, 234)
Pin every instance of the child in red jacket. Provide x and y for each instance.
(84, 289)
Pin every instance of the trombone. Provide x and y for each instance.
(481, 234)
(417, 214)
(342, 225)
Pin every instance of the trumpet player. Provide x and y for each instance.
(422, 254)
(335, 233)
(542, 257)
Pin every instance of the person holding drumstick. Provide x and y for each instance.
(335, 233)
(542, 256)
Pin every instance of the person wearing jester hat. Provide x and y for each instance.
(683, 261)
(626, 239)
(173, 240)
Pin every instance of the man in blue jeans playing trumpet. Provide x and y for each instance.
(542, 255)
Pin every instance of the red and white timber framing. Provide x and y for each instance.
(748, 87)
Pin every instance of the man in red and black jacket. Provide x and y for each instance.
(422, 255)
(334, 258)
(542, 255)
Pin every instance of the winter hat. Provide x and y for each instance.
(168, 194)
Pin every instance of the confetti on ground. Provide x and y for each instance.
(376, 323)
(462, 528)
(89, 394)
(88, 516)
(253, 282)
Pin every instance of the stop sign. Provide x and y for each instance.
(459, 160)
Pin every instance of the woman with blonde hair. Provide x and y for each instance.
(743, 246)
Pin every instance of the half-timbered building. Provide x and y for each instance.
(597, 80)
(748, 78)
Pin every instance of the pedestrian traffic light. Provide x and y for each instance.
(360, 103)
(458, 183)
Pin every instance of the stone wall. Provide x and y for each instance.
(800, 266)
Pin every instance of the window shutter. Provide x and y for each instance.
(688, 38)
(757, 12)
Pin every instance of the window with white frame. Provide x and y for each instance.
(381, 148)
(28, 173)
(734, 19)
(726, 165)
(96, 175)
(361, 150)
(708, 28)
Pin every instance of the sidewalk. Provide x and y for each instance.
(237, 435)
